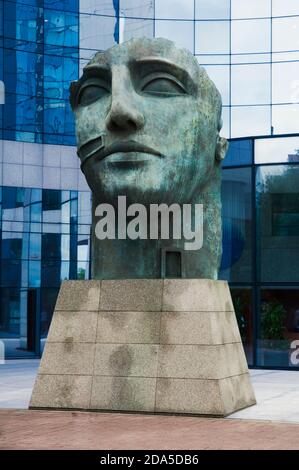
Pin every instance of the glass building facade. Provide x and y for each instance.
(250, 49)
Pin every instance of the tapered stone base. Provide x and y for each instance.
(147, 345)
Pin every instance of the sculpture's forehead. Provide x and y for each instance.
(138, 49)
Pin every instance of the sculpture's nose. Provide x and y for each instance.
(124, 114)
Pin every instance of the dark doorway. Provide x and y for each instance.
(173, 264)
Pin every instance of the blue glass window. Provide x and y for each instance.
(59, 71)
(61, 28)
(11, 270)
(236, 263)
(64, 5)
(11, 247)
(239, 153)
(58, 122)
(51, 246)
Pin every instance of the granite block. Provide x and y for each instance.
(61, 391)
(126, 360)
(199, 328)
(237, 393)
(197, 295)
(189, 396)
(128, 327)
(123, 393)
(132, 295)
(68, 325)
(202, 362)
(79, 296)
(68, 358)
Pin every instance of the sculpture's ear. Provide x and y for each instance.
(221, 149)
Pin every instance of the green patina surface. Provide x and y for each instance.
(153, 98)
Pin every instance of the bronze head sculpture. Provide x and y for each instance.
(147, 123)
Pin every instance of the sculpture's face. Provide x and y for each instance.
(147, 127)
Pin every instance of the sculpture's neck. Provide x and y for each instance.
(156, 258)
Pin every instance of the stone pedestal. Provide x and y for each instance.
(146, 345)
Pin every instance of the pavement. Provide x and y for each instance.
(271, 424)
(40, 430)
(16, 382)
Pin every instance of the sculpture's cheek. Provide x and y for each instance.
(90, 120)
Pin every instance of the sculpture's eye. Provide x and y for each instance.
(91, 93)
(163, 86)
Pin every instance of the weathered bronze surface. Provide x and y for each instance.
(147, 122)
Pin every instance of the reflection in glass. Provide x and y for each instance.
(278, 327)
(133, 8)
(32, 205)
(181, 32)
(177, 9)
(219, 74)
(239, 153)
(34, 273)
(250, 36)
(236, 225)
(31, 259)
(97, 32)
(212, 37)
(250, 84)
(285, 33)
(11, 246)
(132, 28)
(51, 246)
(21, 22)
(9, 312)
(11, 272)
(35, 246)
(277, 150)
(51, 205)
(61, 27)
(250, 9)
(254, 58)
(287, 7)
(82, 270)
(285, 82)
(66, 5)
(242, 300)
(278, 220)
(10, 323)
(58, 122)
(250, 121)
(59, 71)
(213, 9)
(213, 59)
(285, 118)
(54, 272)
(225, 130)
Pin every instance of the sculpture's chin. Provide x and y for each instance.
(134, 195)
(141, 186)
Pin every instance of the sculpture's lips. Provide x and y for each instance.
(97, 149)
